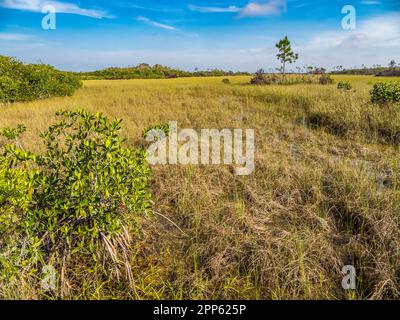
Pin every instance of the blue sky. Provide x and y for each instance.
(232, 35)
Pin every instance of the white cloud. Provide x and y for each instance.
(230, 9)
(371, 3)
(253, 9)
(271, 7)
(14, 36)
(156, 24)
(252, 50)
(60, 7)
(375, 41)
(382, 31)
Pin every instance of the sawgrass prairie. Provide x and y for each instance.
(324, 194)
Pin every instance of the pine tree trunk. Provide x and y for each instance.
(284, 71)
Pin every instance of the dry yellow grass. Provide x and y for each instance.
(314, 203)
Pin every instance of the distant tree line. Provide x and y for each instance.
(392, 70)
(146, 71)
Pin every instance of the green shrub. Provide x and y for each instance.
(226, 81)
(386, 92)
(13, 133)
(164, 127)
(80, 199)
(344, 85)
(8, 89)
(20, 82)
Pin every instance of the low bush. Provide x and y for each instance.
(344, 85)
(13, 133)
(79, 201)
(325, 79)
(226, 81)
(260, 78)
(386, 92)
(21, 82)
